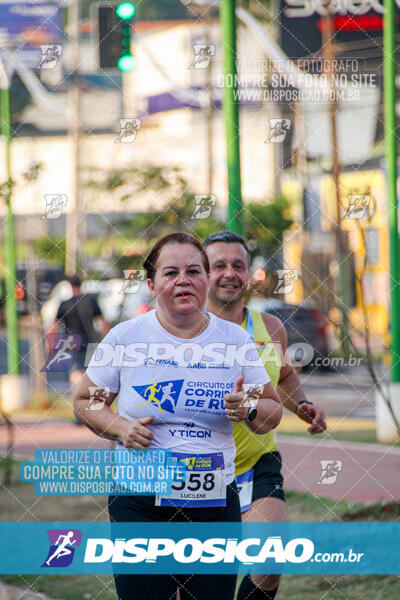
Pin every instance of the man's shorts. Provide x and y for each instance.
(267, 477)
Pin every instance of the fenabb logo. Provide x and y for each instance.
(163, 394)
(191, 550)
(62, 547)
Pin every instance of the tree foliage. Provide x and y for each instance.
(51, 248)
(264, 223)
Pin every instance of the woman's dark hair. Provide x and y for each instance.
(172, 238)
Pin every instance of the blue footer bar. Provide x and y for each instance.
(307, 548)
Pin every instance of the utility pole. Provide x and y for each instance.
(302, 164)
(389, 57)
(9, 246)
(74, 214)
(342, 249)
(209, 111)
(36, 354)
(231, 116)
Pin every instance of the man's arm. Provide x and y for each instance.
(50, 339)
(104, 325)
(289, 387)
(98, 316)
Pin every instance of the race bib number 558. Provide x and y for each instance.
(204, 484)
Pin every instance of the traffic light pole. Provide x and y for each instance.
(73, 216)
(9, 246)
(231, 116)
(389, 56)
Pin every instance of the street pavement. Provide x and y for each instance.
(347, 392)
(364, 472)
(349, 471)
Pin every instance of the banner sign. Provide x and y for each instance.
(301, 24)
(30, 25)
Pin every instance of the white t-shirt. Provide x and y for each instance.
(180, 382)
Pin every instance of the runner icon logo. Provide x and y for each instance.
(202, 55)
(97, 397)
(278, 129)
(163, 394)
(358, 206)
(287, 279)
(62, 547)
(204, 204)
(55, 203)
(133, 280)
(329, 471)
(50, 55)
(128, 130)
(61, 351)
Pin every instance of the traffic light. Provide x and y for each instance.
(114, 35)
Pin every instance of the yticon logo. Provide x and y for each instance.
(163, 394)
(62, 547)
(190, 550)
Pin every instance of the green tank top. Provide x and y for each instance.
(251, 446)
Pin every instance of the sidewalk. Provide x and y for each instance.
(369, 472)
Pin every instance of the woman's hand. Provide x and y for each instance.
(269, 408)
(135, 434)
(234, 409)
(104, 422)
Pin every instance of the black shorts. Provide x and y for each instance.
(163, 587)
(267, 477)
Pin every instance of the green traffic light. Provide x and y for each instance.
(126, 63)
(125, 10)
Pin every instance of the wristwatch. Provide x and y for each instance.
(300, 403)
(252, 412)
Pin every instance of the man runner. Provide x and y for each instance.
(258, 462)
(76, 316)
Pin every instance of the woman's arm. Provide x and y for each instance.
(104, 422)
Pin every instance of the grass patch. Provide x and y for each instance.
(339, 587)
(66, 587)
(386, 511)
(308, 508)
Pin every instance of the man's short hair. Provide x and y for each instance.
(75, 281)
(227, 237)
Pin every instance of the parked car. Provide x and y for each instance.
(304, 325)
